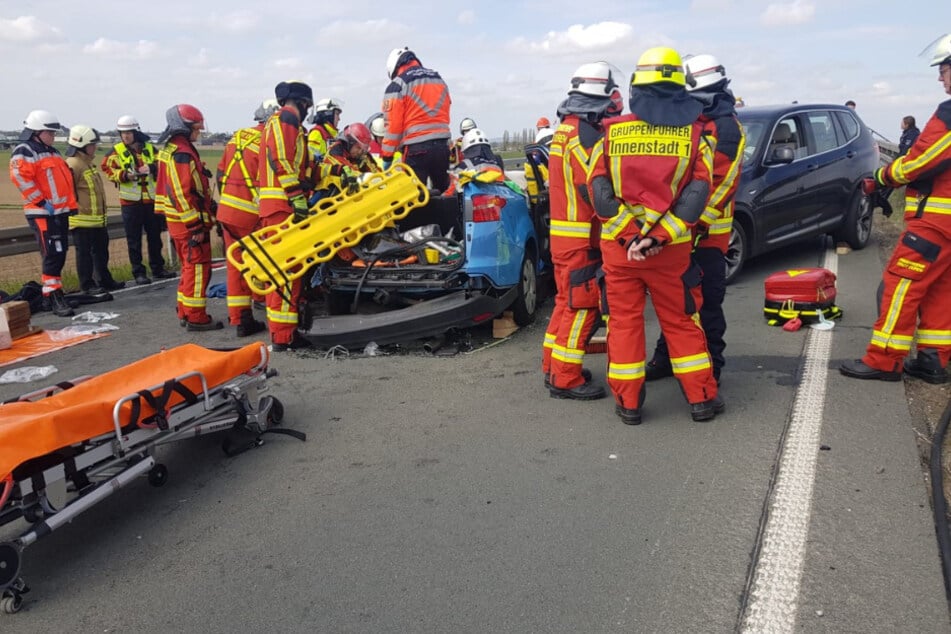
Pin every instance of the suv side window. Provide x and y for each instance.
(823, 131)
(786, 134)
(849, 125)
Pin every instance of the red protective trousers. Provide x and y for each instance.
(196, 271)
(239, 293)
(917, 293)
(282, 303)
(575, 318)
(674, 287)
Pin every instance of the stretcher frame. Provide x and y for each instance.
(50, 496)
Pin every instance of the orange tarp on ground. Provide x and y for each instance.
(40, 343)
(32, 429)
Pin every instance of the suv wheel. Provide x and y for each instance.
(523, 308)
(857, 225)
(736, 252)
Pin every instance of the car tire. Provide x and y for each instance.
(856, 229)
(737, 251)
(526, 303)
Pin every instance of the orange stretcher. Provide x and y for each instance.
(67, 447)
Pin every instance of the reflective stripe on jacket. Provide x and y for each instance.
(729, 140)
(926, 170)
(41, 175)
(574, 224)
(120, 161)
(336, 162)
(319, 138)
(648, 167)
(238, 178)
(415, 109)
(283, 162)
(182, 192)
(90, 193)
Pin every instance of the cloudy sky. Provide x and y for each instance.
(506, 63)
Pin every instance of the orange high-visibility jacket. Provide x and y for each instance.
(283, 162)
(415, 109)
(42, 176)
(648, 167)
(182, 192)
(925, 170)
(238, 179)
(729, 140)
(574, 223)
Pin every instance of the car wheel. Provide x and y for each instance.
(857, 226)
(523, 308)
(736, 252)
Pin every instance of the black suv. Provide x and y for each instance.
(802, 174)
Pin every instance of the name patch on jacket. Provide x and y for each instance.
(640, 138)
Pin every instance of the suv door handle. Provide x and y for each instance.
(850, 154)
(811, 168)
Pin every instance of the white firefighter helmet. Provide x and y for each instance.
(396, 58)
(40, 120)
(475, 136)
(328, 105)
(266, 109)
(598, 79)
(466, 125)
(939, 50)
(544, 135)
(127, 122)
(82, 135)
(378, 126)
(704, 70)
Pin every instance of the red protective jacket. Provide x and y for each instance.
(283, 162)
(42, 176)
(182, 192)
(648, 167)
(238, 179)
(924, 170)
(716, 223)
(416, 108)
(574, 223)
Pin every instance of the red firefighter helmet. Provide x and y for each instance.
(357, 135)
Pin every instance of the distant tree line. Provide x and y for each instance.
(518, 139)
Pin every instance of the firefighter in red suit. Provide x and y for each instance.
(712, 233)
(649, 182)
(575, 231)
(238, 211)
(183, 196)
(917, 280)
(283, 163)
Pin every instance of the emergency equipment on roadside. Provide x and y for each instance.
(272, 257)
(67, 447)
(802, 293)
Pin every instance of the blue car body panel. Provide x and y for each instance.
(495, 249)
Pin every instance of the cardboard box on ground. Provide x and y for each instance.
(14, 322)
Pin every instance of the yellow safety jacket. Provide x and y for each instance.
(117, 164)
(90, 193)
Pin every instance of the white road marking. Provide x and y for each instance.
(774, 591)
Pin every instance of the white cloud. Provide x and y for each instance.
(577, 38)
(143, 49)
(289, 62)
(466, 17)
(788, 13)
(352, 31)
(26, 28)
(707, 5)
(239, 21)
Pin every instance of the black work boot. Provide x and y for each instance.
(59, 305)
(628, 416)
(584, 392)
(707, 410)
(927, 367)
(585, 374)
(857, 369)
(211, 324)
(249, 325)
(298, 342)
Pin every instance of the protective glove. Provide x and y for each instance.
(48, 206)
(350, 182)
(299, 204)
(869, 186)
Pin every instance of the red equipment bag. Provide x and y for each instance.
(801, 293)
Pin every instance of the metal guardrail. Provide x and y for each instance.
(17, 240)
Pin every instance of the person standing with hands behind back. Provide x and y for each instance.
(88, 226)
(917, 280)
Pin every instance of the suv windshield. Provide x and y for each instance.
(754, 129)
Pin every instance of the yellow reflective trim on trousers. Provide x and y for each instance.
(238, 301)
(570, 229)
(568, 355)
(198, 288)
(626, 371)
(894, 309)
(194, 302)
(692, 363)
(934, 337)
(576, 325)
(895, 342)
(280, 317)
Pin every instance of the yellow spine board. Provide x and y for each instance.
(272, 257)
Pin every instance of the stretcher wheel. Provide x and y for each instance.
(11, 604)
(276, 413)
(158, 475)
(9, 566)
(33, 514)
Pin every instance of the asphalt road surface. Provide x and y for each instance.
(451, 494)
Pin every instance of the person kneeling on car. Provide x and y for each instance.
(347, 158)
